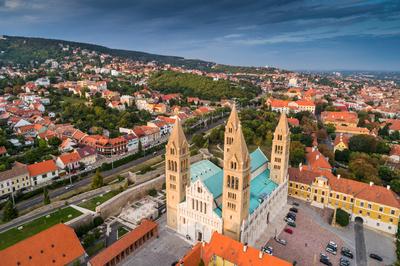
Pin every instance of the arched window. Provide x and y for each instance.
(175, 166)
(237, 183)
(229, 181)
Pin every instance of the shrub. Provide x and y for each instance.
(152, 192)
(342, 217)
(98, 221)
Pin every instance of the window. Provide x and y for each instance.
(337, 196)
(380, 209)
(379, 217)
(369, 206)
(199, 190)
(391, 220)
(351, 200)
(344, 198)
(330, 195)
(361, 204)
(392, 212)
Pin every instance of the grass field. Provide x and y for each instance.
(33, 227)
(92, 203)
(122, 231)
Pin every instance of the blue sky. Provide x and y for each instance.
(312, 34)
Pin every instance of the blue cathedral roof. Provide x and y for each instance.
(212, 177)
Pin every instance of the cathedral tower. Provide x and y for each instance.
(230, 129)
(236, 183)
(177, 171)
(280, 151)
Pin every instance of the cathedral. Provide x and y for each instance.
(239, 200)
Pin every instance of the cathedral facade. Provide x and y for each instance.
(239, 200)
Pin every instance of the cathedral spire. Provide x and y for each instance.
(233, 119)
(239, 147)
(177, 135)
(280, 151)
(283, 126)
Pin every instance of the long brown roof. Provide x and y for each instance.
(17, 170)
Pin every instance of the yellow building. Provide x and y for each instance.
(376, 206)
(341, 142)
(14, 179)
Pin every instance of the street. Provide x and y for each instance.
(361, 251)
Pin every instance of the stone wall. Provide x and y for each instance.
(81, 220)
(114, 205)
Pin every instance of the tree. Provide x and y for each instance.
(364, 167)
(54, 141)
(297, 153)
(46, 197)
(140, 147)
(342, 217)
(97, 180)
(342, 156)
(198, 140)
(363, 143)
(330, 129)
(10, 211)
(324, 149)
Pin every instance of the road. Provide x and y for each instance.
(361, 250)
(23, 205)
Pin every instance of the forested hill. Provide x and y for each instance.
(23, 50)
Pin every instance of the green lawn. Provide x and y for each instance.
(33, 227)
(122, 231)
(92, 203)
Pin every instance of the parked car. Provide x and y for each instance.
(346, 252)
(291, 215)
(68, 187)
(292, 224)
(268, 250)
(288, 219)
(344, 262)
(331, 247)
(288, 230)
(324, 259)
(293, 209)
(295, 204)
(375, 257)
(280, 241)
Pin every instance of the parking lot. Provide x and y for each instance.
(308, 240)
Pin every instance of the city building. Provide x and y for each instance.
(57, 245)
(376, 206)
(239, 200)
(128, 244)
(347, 119)
(15, 179)
(341, 142)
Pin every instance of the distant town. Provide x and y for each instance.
(108, 160)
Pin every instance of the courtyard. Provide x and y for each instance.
(166, 249)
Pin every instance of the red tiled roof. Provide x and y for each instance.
(42, 167)
(293, 121)
(232, 251)
(349, 117)
(116, 248)
(316, 160)
(395, 124)
(57, 245)
(67, 158)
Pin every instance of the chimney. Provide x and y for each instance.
(317, 157)
(301, 168)
(245, 247)
(338, 176)
(388, 187)
(203, 243)
(371, 184)
(260, 255)
(313, 148)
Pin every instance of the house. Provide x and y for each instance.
(165, 129)
(316, 161)
(133, 142)
(68, 161)
(285, 106)
(223, 250)
(57, 245)
(394, 125)
(42, 172)
(3, 151)
(294, 122)
(111, 146)
(148, 136)
(341, 142)
(116, 105)
(395, 153)
(351, 130)
(15, 179)
(87, 155)
(67, 145)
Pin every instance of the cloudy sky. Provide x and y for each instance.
(310, 34)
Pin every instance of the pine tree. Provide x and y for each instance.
(46, 197)
(10, 212)
(97, 180)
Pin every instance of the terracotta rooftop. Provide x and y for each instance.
(117, 247)
(42, 167)
(17, 170)
(233, 252)
(57, 245)
(67, 158)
